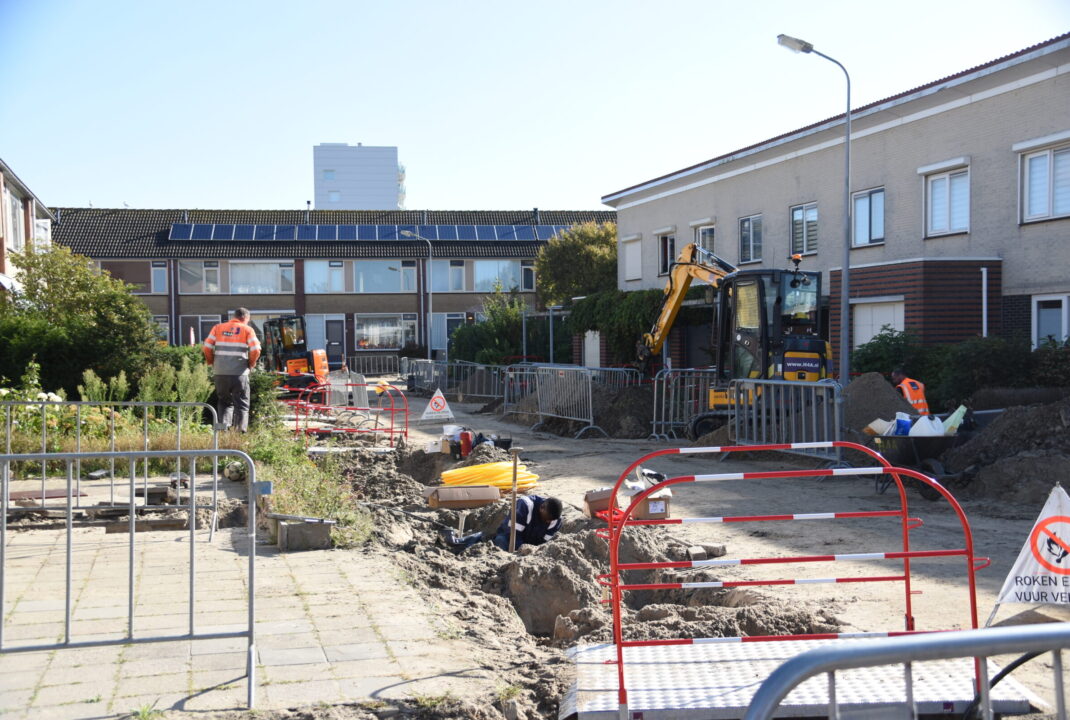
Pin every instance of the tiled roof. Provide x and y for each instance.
(126, 233)
(855, 112)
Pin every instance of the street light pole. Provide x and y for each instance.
(797, 45)
(430, 317)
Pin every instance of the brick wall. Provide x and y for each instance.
(1017, 316)
(577, 349)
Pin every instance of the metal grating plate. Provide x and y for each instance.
(717, 680)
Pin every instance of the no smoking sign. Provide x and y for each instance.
(1050, 544)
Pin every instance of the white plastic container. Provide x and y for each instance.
(927, 426)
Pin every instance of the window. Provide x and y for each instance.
(527, 275)
(1050, 319)
(384, 332)
(333, 196)
(384, 276)
(163, 327)
(15, 223)
(193, 329)
(1046, 184)
(261, 278)
(442, 328)
(324, 276)
(447, 276)
(750, 239)
(869, 318)
(198, 277)
(704, 237)
(948, 201)
(159, 276)
(666, 253)
(633, 259)
(490, 273)
(869, 217)
(804, 229)
(328, 174)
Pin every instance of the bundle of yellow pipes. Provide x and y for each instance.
(498, 474)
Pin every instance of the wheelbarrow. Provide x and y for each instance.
(920, 453)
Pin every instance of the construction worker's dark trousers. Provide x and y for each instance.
(232, 401)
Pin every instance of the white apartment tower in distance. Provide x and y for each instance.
(360, 177)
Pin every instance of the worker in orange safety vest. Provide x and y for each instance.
(913, 391)
(232, 349)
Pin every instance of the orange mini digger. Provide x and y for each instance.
(285, 351)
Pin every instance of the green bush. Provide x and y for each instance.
(621, 317)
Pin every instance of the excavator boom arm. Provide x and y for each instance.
(693, 263)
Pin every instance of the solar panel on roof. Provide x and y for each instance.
(285, 232)
(306, 232)
(347, 232)
(387, 232)
(223, 232)
(545, 232)
(202, 232)
(524, 232)
(264, 232)
(447, 232)
(366, 232)
(243, 232)
(428, 231)
(485, 232)
(181, 231)
(466, 232)
(506, 232)
(328, 232)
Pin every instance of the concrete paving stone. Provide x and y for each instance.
(283, 695)
(222, 645)
(101, 613)
(229, 699)
(25, 661)
(351, 636)
(365, 668)
(20, 680)
(34, 605)
(419, 631)
(273, 642)
(113, 626)
(79, 657)
(15, 700)
(283, 627)
(356, 651)
(68, 692)
(355, 689)
(145, 651)
(158, 701)
(145, 684)
(411, 648)
(219, 661)
(151, 666)
(209, 679)
(71, 711)
(291, 656)
(294, 673)
(278, 614)
(43, 633)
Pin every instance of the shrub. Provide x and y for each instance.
(621, 317)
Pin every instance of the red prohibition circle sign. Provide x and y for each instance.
(1043, 541)
(438, 403)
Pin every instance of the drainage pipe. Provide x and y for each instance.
(984, 302)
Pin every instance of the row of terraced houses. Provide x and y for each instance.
(960, 202)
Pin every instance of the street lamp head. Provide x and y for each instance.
(794, 44)
(409, 233)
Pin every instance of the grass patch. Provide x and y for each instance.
(432, 702)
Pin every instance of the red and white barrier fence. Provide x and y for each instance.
(387, 415)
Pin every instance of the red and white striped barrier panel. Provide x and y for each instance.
(389, 419)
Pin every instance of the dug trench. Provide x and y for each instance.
(525, 609)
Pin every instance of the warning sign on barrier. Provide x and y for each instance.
(1041, 574)
(438, 408)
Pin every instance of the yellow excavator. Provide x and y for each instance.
(766, 326)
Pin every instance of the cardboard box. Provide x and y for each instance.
(653, 507)
(463, 497)
(596, 500)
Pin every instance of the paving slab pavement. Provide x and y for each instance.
(332, 626)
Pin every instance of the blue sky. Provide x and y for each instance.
(492, 104)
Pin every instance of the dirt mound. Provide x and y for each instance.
(996, 398)
(1020, 455)
(718, 438)
(868, 397)
(624, 413)
(374, 477)
(483, 453)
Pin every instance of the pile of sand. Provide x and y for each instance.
(624, 413)
(869, 397)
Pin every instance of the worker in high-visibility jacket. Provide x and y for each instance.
(913, 391)
(232, 350)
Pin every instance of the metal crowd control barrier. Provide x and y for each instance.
(21, 418)
(71, 460)
(372, 364)
(566, 393)
(389, 417)
(981, 644)
(620, 520)
(679, 395)
(519, 384)
(781, 412)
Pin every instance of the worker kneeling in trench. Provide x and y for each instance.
(537, 520)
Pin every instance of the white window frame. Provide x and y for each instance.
(207, 268)
(157, 279)
(705, 236)
(750, 220)
(1034, 317)
(201, 319)
(405, 320)
(666, 252)
(405, 271)
(804, 211)
(867, 196)
(335, 277)
(948, 177)
(505, 287)
(163, 324)
(632, 257)
(527, 270)
(280, 274)
(1049, 212)
(16, 217)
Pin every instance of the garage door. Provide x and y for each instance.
(869, 318)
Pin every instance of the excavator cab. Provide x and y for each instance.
(285, 351)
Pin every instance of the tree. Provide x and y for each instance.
(579, 261)
(72, 317)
